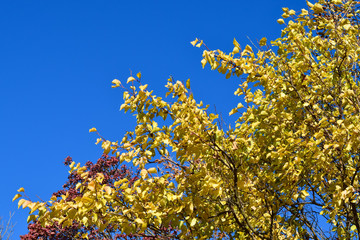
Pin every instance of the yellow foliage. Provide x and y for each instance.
(291, 157)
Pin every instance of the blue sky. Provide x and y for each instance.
(58, 59)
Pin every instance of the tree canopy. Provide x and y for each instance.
(287, 168)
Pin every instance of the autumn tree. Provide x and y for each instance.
(288, 168)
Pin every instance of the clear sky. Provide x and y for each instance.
(58, 58)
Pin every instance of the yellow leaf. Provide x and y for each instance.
(92, 129)
(188, 83)
(248, 48)
(99, 177)
(263, 41)
(199, 44)
(71, 213)
(130, 79)
(108, 189)
(280, 21)
(193, 222)
(236, 44)
(235, 50)
(34, 207)
(347, 26)
(152, 170)
(121, 181)
(16, 196)
(21, 189)
(233, 111)
(304, 12)
(72, 164)
(25, 203)
(228, 75)
(203, 62)
(285, 15)
(123, 106)
(106, 146)
(143, 87)
(21, 201)
(194, 42)
(304, 194)
(138, 75)
(31, 218)
(91, 186)
(116, 82)
(143, 173)
(318, 8)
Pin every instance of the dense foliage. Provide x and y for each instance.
(288, 168)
